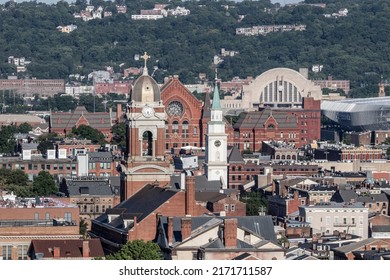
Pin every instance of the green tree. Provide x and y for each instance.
(44, 146)
(7, 139)
(13, 177)
(87, 132)
(83, 227)
(137, 250)
(119, 135)
(24, 128)
(44, 184)
(255, 203)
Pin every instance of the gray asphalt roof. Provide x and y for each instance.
(235, 156)
(201, 183)
(141, 204)
(95, 188)
(259, 225)
(354, 246)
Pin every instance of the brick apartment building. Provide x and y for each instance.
(23, 220)
(119, 87)
(29, 87)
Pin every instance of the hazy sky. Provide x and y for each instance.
(283, 2)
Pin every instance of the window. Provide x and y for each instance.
(22, 252)
(195, 130)
(185, 129)
(175, 127)
(68, 216)
(226, 207)
(327, 220)
(47, 216)
(232, 207)
(7, 252)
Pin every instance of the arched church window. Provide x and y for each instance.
(184, 129)
(175, 127)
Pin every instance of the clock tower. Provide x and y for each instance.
(216, 143)
(145, 157)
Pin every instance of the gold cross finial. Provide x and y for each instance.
(145, 57)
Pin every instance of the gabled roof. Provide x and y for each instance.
(235, 156)
(68, 248)
(355, 246)
(261, 226)
(253, 120)
(67, 120)
(141, 205)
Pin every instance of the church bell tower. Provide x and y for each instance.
(145, 156)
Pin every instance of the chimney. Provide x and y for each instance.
(185, 228)
(86, 250)
(190, 195)
(183, 181)
(230, 233)
(296, 195)
(170, 230)
(56, 252)
(119, 112)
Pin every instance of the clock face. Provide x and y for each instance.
(175, 108)
(147, 111)
(217, 143)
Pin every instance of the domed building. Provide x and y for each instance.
(277, 87)
(145, 118)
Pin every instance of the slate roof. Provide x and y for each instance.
(235, 156)
(93, 188)
(253, 120)
(344, 196)
(68, 248)
(141, 204)
(259, 225)
(354, 246)
(209, 196)
(67, 120)
(99, 157)
(201, 183)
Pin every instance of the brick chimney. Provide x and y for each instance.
(190, 195)
(230, 233)
(86, 250)
(185, 228)
(170, 230)
(56, 252)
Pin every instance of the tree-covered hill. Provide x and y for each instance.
(354, 47)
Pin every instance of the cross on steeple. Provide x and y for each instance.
(145, 57)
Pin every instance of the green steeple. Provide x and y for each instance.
(216, 101)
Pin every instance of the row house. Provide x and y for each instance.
(344, 217)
